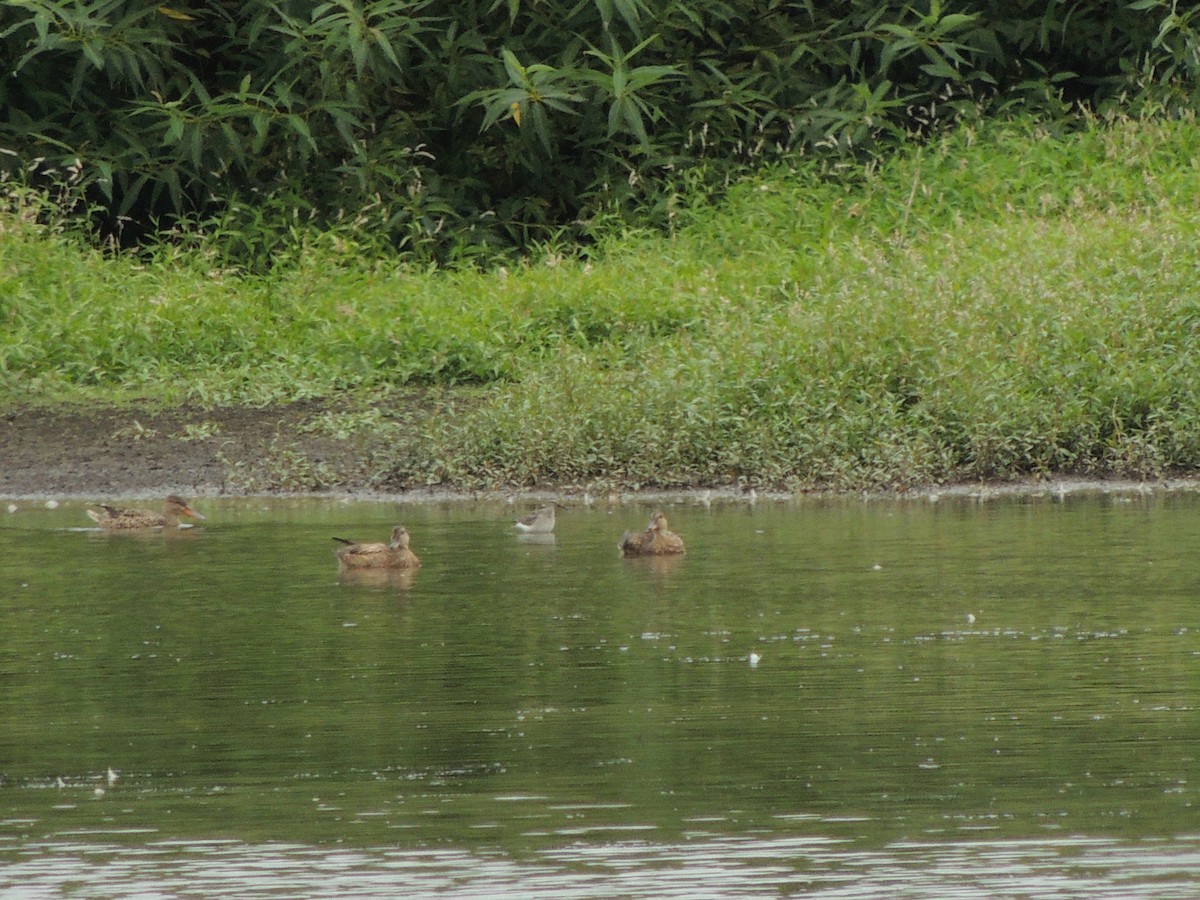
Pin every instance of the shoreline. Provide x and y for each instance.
(1054, 488)
(141, 450)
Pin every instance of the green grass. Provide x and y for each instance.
(1002, 302)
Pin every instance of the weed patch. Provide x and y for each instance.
(999, 303)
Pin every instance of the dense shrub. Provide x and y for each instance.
(457, 126)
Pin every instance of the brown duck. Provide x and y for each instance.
(656, 540)
(116, 518)
(392, 555)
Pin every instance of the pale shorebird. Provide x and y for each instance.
(540, 521)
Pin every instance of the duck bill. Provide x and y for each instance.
(188, 511)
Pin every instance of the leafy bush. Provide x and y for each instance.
(996, 302)
(452, 129)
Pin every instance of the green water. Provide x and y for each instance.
(832, 698)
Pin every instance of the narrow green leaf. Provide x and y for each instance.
(91, 51)
(516, 72)
(953, 21)
(105, 178)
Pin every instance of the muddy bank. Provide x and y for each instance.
(142, 450)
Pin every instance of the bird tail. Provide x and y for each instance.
(344, 541)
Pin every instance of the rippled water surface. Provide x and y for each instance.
(834, 699)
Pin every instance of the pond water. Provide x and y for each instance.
(835, 699)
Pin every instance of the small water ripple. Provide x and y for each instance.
(713, 867)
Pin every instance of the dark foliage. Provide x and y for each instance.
(454, 128)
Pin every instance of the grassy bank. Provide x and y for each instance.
(1003, 302)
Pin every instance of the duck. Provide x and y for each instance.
(540, 521)
(117, 518)
(656, 540)
(392, 555)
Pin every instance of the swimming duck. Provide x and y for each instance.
(540, 521)
(116, 518)
(656, 540)
(392, 555)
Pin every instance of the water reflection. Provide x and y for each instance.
(944, 696)
(659, 566)
(87, 864)
(533, 537)
(146, 535)
(397, 579)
